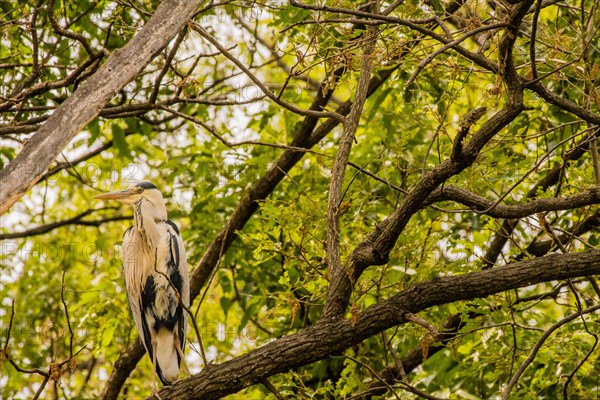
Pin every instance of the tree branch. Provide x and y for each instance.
(515, 211)
(85, 103)
(76, 220)
(339, 168)
(332, 336)
(538, 345)
(375, 248)
(310, 112)
(563, 103)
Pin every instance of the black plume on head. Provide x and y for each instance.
(146, 185)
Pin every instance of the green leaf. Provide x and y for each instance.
(94, 129)
(119, 141)
(225, 304)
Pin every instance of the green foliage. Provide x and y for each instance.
(273, 280)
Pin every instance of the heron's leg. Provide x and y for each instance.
(154, 388)
(178, 347)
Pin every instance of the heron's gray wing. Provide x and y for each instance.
(177, 271)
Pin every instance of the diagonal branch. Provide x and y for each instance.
(310, 112)
(306, 136)
(341, 161)
(331, 336)
(89, 98)
(76, 220)
(513, 211)
(563, 103)
(377, 245)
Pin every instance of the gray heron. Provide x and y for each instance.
(156, 279)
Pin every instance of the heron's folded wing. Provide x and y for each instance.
(177, 271)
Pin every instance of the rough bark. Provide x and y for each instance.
(341, 161)
(514, 211)
(86, 102)
(331, 336)
(377, 245)
(123, 367)
(308, 135)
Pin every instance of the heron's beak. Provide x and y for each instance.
(117, 195)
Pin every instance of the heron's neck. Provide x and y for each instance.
(147, 216)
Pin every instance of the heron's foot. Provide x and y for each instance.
(154, 387)
(155, 390)
(155, 393)
(181, 355)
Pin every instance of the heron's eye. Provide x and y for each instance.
(140, 189)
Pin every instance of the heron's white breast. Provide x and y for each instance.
(140, 258)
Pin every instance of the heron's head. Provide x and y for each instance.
(143, 190)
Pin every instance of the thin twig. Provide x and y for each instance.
(167, 65)
(375, 375)
(536, 15)
(231, 145)
(10, 324)
(372, 175)
(38, 393)
(420, 321)
(539, 344)
(448, 46)
(418, 392)
(76, 220)
(62, 297)
(594, 151)
(211, 39)
(387, 342)
(272, 389)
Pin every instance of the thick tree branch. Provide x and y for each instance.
(341, 161)
(375, 248)
(332, 336)
(85, 103)
(563, 103)
(76, 220)
(478, 203)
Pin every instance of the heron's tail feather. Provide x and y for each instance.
(166, 356)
